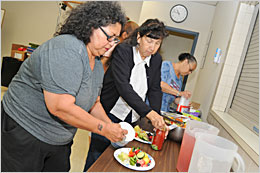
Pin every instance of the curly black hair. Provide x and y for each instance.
(152, 28)
(189, 57)
(91, 15)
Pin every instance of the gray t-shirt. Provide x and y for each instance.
(61, 66)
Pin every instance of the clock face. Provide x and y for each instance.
(178, 13)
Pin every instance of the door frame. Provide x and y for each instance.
(186, 32)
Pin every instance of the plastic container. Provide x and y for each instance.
(188, 141)
(214, 154)
(183, 105)
(158, 139)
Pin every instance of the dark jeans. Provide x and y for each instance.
(22, 152)
(99, 143)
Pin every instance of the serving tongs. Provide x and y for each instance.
(173, 120)
(175, 115)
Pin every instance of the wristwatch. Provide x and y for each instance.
(178, 94)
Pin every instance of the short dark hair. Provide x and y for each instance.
(152, 28)
(188, 56)
(91, 15)
(129, 27)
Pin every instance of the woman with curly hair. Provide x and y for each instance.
(133, 75)
(57, 91)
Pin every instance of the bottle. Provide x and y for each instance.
(183, 105)
(158, 139)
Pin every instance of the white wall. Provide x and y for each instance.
(222, 27)
(173, 46)
(35, 21)
(27, 21)
(132, 9)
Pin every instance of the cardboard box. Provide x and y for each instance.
(195, 105)
(15, 53)
(20, 55)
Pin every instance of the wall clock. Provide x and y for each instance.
(178, 13)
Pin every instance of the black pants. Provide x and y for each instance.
(22, 152)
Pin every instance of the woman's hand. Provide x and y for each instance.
(156, 119)
(186, 94)
(114, 132)
(109, 52)
(167, 129)
(177, 100)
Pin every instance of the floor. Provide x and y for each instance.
(79, 148)
(79, 151)
(3, 90)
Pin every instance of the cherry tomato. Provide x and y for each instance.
(131, 154)
(137, 151)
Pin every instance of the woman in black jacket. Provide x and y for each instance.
(133, 75)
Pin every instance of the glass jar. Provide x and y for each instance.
(158, 139)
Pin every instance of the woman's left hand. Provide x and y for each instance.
(167, 129)
(156, 119)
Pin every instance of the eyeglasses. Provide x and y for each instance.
(110, 38)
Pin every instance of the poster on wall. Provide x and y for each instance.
(2, 15)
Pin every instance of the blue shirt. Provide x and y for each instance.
(61, 66)
(168, 76)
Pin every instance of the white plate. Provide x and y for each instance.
(126, 150)
(131, 132)
(143, 141)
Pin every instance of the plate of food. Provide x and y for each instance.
(142, 135)
(134, 158)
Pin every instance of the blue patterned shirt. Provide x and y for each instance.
(168, 75)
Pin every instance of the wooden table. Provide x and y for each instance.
(165, 160)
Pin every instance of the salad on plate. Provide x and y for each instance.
(142, 135)
(134, 158)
